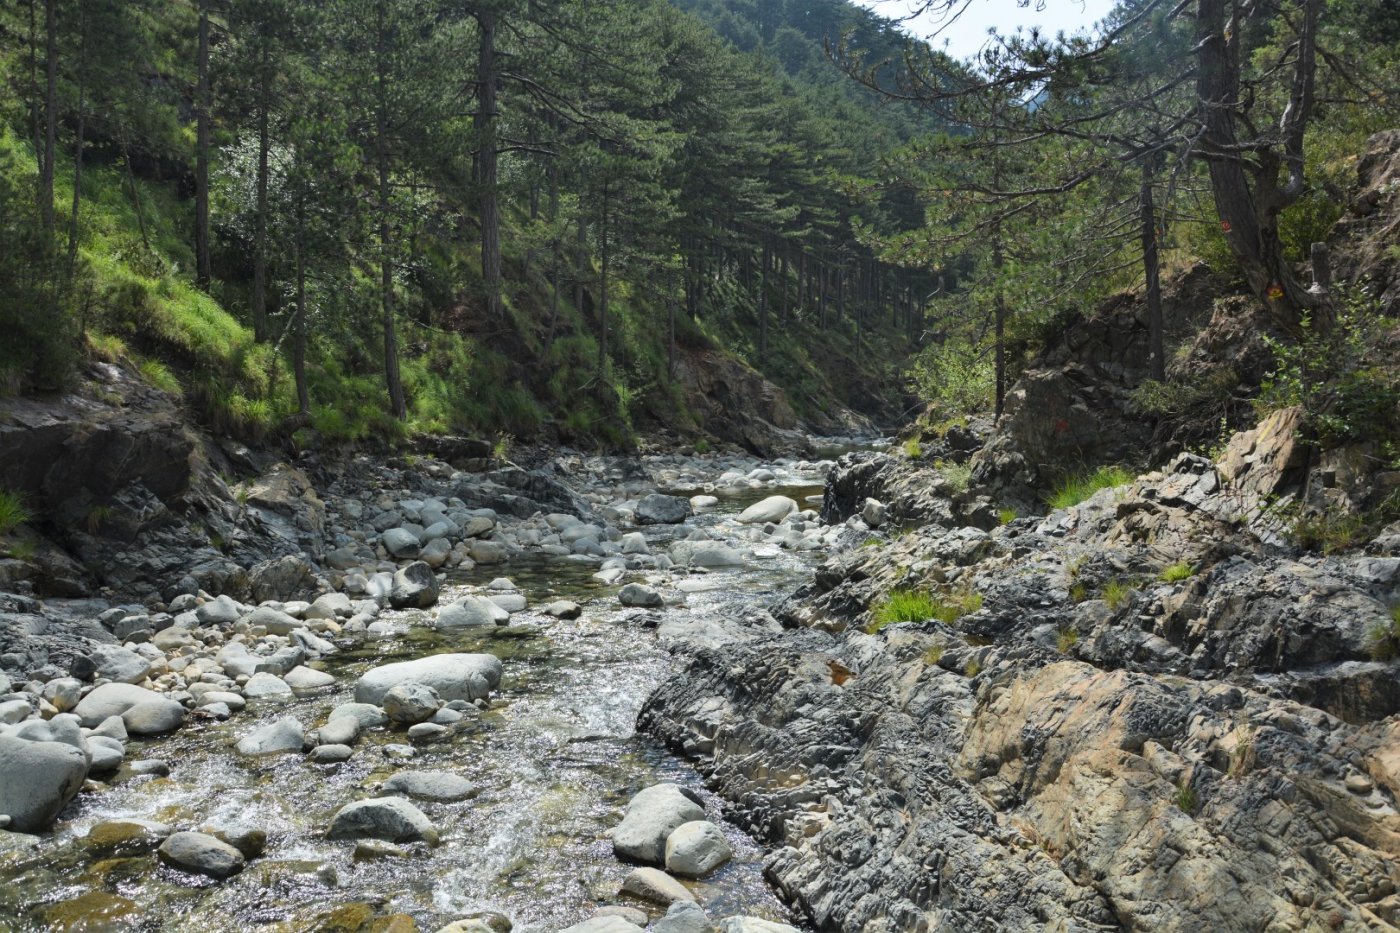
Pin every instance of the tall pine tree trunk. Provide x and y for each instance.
(397, 404)
(1150, 268)
(73, 220)
(260, 210)
(46, 168)
(1246, 190)
(486, 164)
(203, 272)
(763, 302)
(605, 247)
(299, 329)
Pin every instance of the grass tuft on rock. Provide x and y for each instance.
(917, 606)
(12, 511)
(1081, 486)
(1177, 572)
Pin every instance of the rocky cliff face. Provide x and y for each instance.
(1155, 715)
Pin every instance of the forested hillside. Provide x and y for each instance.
(372, 217)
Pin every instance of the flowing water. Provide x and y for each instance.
(554, 761)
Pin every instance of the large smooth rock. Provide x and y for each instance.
(275, 621)
(657, 509)
(220, 612)
(415, 587)
(639, 595)
(283, 736)
(153, 717)
(652, 815)
(410, 703)
(754, 925)
(37, 779)
(453, 676)
(685, 917)
(470, 612)
(603, 925)
(695, 849)
(652, 884)
(265, 684)
(368, 715)
(306, 678)
(772, 509)
(120, 665)
(201, 854)
(401, 543)
(429, 785)
(111, 700)
(392, 819)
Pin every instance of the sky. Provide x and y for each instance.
(968, 33)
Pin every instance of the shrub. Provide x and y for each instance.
(1177, 572)
(957, 374)
(1342, 377)
(1079, 487)
(12, 511)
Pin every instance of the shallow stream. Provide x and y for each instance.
(554, 761)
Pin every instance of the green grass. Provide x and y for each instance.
(1177, 572)
(958, 476)
(1186, 797)
(913, 449)
(1116, 593)
(903, 606)
(12, 511)
(933, 654)
(1007, 516)
(916, 606)
(158, 376)
(973, 668)
(1076, 489)
(1383, 638)
(1066, 639)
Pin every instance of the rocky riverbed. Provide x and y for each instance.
(415, 707)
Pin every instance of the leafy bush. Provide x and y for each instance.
(1344, 378)
(12, 511)
(1079, 487)
(957, 375)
